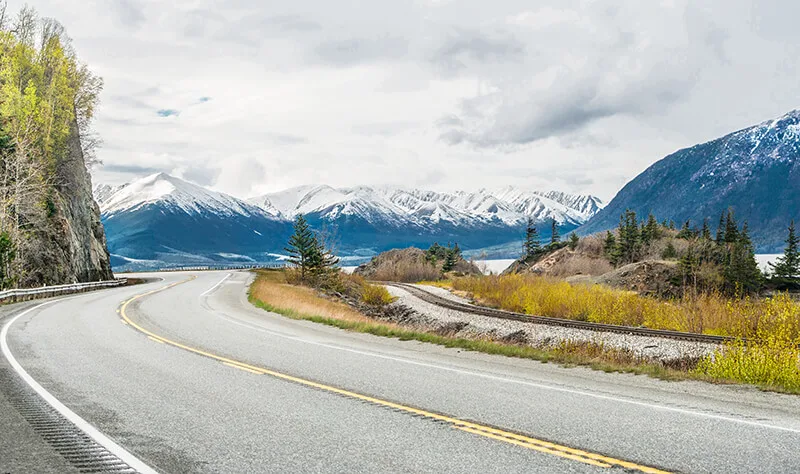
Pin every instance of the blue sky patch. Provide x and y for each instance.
(168, 113)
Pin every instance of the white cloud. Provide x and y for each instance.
(573, 94)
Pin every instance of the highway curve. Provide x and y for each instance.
(191, 378)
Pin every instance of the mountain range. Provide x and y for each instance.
(161, 220)
(754, 171)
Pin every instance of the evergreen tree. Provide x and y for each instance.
(669, 252)
(720, 238)
(555, 237)
(303, 247)
(731, 228)
(650, 231)
(450, 260)
(788, 266)
(573, 241)
(671, 225)
(742, 275)
(689, 265)
(610, 247)
(322, 259)
(629, 244)
(706, 232)
(686, 231)
(532, 247)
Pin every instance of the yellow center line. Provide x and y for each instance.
(543, 446)
(236, 366)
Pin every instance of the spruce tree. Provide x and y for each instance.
(669, 252)
(555, 237)
(742, 275)
(651, 231)
(688, 265)
(303, 247)
(322, 258)
(686, 231)
(610, 247)
(731, 228)
(450, 260)
(720, 238)
(629, 244)
(706, 232)
(788, 266)
(532, 247)
(573, 241)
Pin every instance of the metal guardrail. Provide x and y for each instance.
(24, 294)
(208, 268)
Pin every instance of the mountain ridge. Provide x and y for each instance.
(163, 218)
(755, 171)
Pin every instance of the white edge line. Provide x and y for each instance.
(217, 285)
(70, 415)
(517, 381)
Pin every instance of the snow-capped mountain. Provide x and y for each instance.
(165, 220)
(754, 171)
(161, 220)
(415, 207)
(174, 193)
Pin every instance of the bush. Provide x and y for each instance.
(375, 295)
(710, 313)
(408, 272)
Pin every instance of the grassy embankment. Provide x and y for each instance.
(771, 325)
(771, 364)
(272, 292)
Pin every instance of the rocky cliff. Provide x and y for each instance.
(72, 247)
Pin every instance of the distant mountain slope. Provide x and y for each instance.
(161, 220)
(755, 171)
(508, 206)
(367, 220)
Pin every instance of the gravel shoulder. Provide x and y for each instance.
(460, 324)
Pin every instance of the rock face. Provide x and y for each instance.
(72, 248)
(754, 171)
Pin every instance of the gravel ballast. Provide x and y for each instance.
(462, 324)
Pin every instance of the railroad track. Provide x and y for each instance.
(433, 299)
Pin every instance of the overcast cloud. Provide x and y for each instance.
(250, 97)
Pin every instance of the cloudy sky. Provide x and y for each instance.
(248, 96)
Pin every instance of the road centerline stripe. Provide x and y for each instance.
(497, 434)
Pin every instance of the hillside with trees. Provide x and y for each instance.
(755, 172)
(663, 258)
(50, 230)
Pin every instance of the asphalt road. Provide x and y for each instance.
(184, 411)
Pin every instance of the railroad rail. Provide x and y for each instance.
(436, 300)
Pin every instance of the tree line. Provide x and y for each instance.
(725, 260)
(532, 247)
(47, 99)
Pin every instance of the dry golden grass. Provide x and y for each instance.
(770, 358)
(704, 313)
(272, 289)
(407, 272)
(579, 264)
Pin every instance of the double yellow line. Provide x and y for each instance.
(469, 427)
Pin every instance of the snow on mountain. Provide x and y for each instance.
(172, 193)
(102, 192)
(508, 206)
(755, 172)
